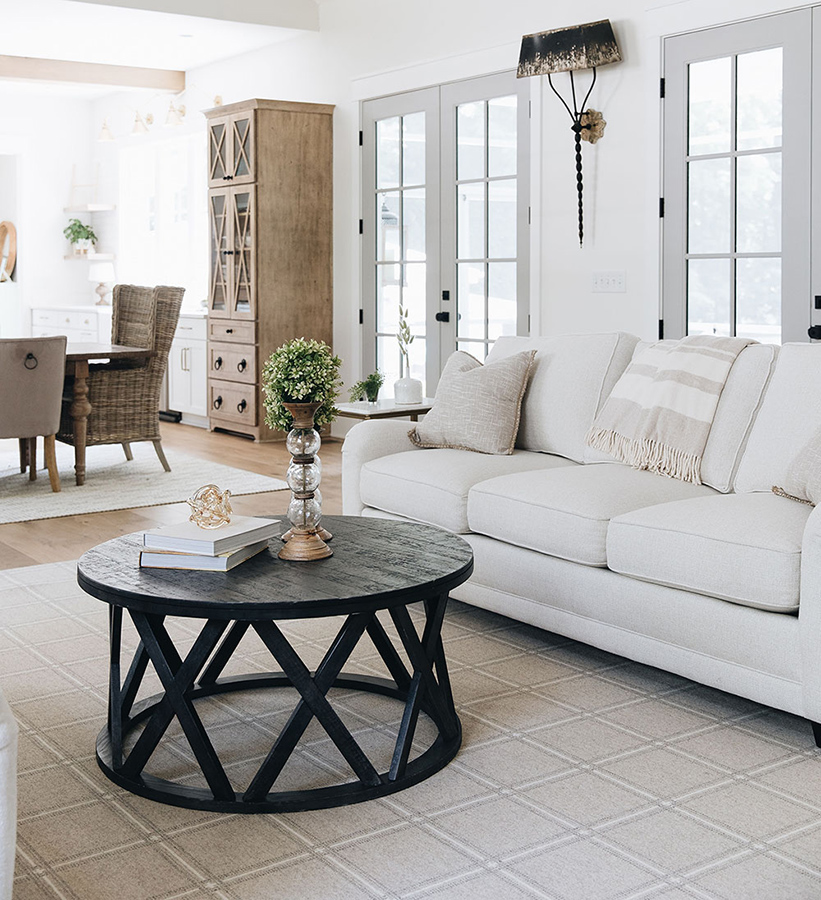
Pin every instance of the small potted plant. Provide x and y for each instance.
(368, 388)
(406, 390)
(82, 237)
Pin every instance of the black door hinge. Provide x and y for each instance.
(661, 90)
(661, 329)
(361, 226)
(361, 316)
(661, 207)
(361, 138)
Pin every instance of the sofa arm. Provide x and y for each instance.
(8, 798)
(366, 441)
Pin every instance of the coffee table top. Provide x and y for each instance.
(377, 563)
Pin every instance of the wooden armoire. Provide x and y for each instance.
(270, 201)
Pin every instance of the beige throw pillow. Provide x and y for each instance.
(477, 407)
(803, 479)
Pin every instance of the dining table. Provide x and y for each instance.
(78, 357)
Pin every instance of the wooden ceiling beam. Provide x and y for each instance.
(31, 69)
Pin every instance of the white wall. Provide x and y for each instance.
(46, 135)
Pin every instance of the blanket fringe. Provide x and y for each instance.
(647, 454)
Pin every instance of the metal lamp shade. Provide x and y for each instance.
(568, 49)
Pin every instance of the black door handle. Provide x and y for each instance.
(814, 331)
(443, 317)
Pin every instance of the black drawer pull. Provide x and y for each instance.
(229, 330)
(242, 365)
(30, 362)
(217, 402)
(218, 362)
(241, 406)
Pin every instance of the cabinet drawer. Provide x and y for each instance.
(233, 362)
(57, 319)
(233, 331)
(192, 328)
(232, 402)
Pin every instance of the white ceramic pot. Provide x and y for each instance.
(82, 247)
(407, 390)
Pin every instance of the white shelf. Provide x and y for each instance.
(89, 208)
(89, 257)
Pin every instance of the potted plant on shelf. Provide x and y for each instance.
(368, 388)
(406, 390)
(82, 236)
(300, 383)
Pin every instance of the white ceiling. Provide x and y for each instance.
(89, 32)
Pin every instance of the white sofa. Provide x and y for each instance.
(701, 580)
(8, 797)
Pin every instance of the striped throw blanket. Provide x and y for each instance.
(660, 412)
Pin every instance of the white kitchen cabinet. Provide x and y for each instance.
(188, 370)
(80, 324)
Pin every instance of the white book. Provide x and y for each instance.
(188, 537)
(223, 562)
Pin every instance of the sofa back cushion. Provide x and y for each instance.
(571, 377)
(789, 416)
(737, 407)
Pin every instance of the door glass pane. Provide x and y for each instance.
(413, 224)
(470, 140)
(413, 149)
(416, 354)
(501, 127)
(387, 152)
(758, 303)
(760, 78)
(470, 220)
(710, 109)
(219, 265)
(471, 303)
(413, 296)
(708, 296)
(241, 257)
(501, 299)
(709, 206)
(501, 219)
(216, 161)
(388, 282)
(387, 356)
(242, 146)
(759, 203)
(474, 348)
(388, 245)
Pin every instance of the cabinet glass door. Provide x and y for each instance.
(218, 283)
(217, 152)
(242, 148)
(242, 255)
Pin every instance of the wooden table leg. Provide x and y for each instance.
(80, 408)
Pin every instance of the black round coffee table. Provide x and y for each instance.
(377, 565)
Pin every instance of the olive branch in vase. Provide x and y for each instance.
(405, 339)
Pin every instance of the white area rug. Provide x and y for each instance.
(112, 482)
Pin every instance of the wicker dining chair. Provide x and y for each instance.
(125, 397)
(32, 372)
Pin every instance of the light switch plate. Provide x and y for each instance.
(609, 282)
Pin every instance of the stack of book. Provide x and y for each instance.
(185, 545)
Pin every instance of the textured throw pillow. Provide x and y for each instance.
(477, 407)
(803, 479)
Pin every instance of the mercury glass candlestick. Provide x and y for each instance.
(303, 477)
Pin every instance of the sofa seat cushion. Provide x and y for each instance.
(565, 512)
(745, 548)
(432, 486)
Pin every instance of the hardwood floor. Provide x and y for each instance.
(66, 538)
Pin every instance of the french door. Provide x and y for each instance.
(737, 252)
(444, 223)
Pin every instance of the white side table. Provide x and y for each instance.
(384, 409)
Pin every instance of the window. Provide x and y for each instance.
(736, 166)
(163, 216)
(445, 222)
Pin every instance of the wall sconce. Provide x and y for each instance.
(568, 50)
(141, 123)
(175, 114)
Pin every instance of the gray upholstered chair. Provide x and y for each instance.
(125, 398)
(32, 372)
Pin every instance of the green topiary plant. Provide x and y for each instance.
(75, 231)
(300, 371)
(368, 387)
